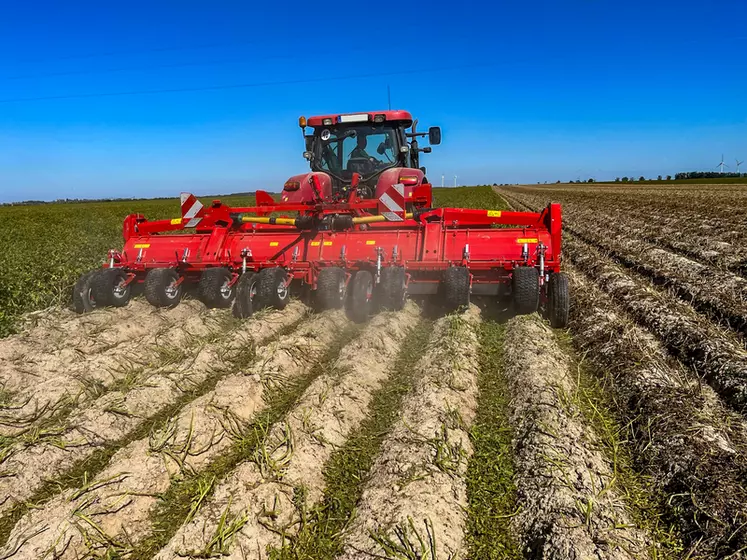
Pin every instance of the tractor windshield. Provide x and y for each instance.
(365, 149)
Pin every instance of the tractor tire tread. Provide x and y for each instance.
(156, 282)
(558, 300)
(359, 304)
(525, 287)
(81, 300)
(392, 289)
(102, 285)
(210, 285)
(267, 291)
(328, 289)
(456, 288)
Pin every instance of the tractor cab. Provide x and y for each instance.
(376, 146)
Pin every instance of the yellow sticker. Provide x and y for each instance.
(527, 240)
(315, 244)
(409, 194)
(176, 221)
(274, 243)
(327, 243)
(370, 242)
(494, 213)
(142, 245)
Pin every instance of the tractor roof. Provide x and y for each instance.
(400, 116)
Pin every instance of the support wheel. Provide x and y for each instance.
(330, 288)
(215, 289)
(272, 290)
(109, 287)
(392, 288)
(162, 287)
(525, 287)
(455, 287)
(246, 293)
(360, 303)
(83, 301)
(558, 300)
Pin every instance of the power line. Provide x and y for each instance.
(247, 85)
(144, 51)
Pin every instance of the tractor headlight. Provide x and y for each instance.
(327, 122)
(379, 118)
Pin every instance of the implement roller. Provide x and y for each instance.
(352, 233)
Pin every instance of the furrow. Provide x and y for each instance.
(570, 504)
(46, 386)
(415, 499)
(135, 422)
(718, 358)
(272, 493)
(689, 446)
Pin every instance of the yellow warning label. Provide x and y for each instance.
(142, 245)
(274, 243)
(176, 221)
(315, 244)
(494, 213)
(370, 242)
(527, 240)
(327, 243)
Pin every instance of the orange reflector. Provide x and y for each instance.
(494, 213)
(408, 179)
(315, 244)
(176, 221)
(370, 242)
(327, 243)
(142, 245)
(291, 186)
(274, 243)
(527, 240)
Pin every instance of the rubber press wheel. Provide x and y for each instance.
(273, 290)
(455, 287)
(330, 288)
(558, 300)
(161, 288)
(83, 300)
(215, 289)
(360, 303)
(392, 288)
(246, 293)
(525, 287)
(109, 287)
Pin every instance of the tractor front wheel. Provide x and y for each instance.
(359, 305)
(393, 288)
(83, 301)
(215, 289)
(330, 288)
(162, 287)
(558, 300)
(246, 293)
(455, 287)
(525, 288)
(273, 290)
(110, 287)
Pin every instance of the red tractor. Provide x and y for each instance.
(376, 147)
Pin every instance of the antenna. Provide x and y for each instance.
(389, 96)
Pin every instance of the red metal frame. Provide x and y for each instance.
(425, 243)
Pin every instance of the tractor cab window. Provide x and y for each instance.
(357, 149)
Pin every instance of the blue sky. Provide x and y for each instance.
(524, 91)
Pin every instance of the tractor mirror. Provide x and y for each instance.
(309, 139)
(434, 135)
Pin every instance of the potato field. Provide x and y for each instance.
(142, 432)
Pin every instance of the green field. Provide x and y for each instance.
(46, 247)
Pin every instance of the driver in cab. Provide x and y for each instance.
(360, 150)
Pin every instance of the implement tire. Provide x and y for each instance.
(455, 288)
(525, 288)
(330, 289)
(246, 293)
(213, 288)
(558, 300)
(108, 288)
(161, 289)
(272, 290)
(83, 301)
(392, 289)
(360, 302)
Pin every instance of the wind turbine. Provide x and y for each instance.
(455, 178)
(722, 164)
(738, 164)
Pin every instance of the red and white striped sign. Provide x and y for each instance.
(392, 203)
(191, 210)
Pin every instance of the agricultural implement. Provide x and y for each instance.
(356, 231)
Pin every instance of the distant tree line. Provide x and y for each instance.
(706, 175)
